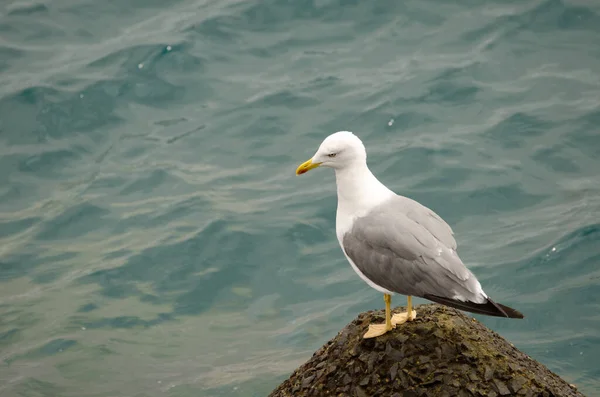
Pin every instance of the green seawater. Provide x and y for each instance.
(155, 241)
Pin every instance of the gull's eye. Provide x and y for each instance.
(331, 155)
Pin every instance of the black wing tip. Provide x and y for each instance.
(508, 311)
(490, 308)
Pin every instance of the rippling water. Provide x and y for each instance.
(154, 239)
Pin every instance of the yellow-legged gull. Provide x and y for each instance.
(395, 244)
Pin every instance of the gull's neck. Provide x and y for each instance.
(358, 191)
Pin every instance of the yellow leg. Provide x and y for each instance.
(380, 329)
(388, 310)
(409, 315)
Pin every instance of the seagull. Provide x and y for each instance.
(395, 244)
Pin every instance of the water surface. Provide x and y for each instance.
(155, 241)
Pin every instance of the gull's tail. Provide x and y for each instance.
(490, 308)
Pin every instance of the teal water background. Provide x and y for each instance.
(154, 240)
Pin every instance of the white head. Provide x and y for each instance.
(338, 151)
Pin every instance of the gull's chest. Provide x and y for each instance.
(344, 220)
(342, 226)
(357, 197)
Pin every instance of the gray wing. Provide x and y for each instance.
(408, 249)
(426, 218)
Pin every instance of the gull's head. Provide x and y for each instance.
(340, 150)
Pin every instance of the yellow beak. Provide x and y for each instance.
(306, 166)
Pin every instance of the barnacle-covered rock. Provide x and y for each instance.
(441, 353)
